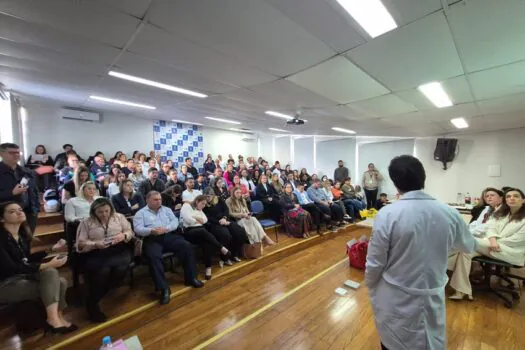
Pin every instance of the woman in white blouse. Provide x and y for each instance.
(193, 220)
(104, 253)
(248, 182)
(114, 187)
(504, 240)
(77, 208)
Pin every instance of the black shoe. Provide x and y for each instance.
(341, 224)
(58, 330)
(207, 277)
(165, 295)
(95, 315)
(73, 327)
(331, 228)
(195, 283)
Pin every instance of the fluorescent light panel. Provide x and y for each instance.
(436, 94)
(348, 131)
(279, 115)
(155, 84)
(120, 102)
(223, 120)
(372, 15)
(239, 130)
(459, 123)
(279, 130)
(185, 122)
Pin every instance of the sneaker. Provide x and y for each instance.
(236, 259)
(228, 262)
(341, 224)
(346, 216)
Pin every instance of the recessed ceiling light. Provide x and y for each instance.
(120, 102)
(240, 130)
(436, 94)
(279, 130)
(372, 15)
(459, 123)
(185, 122)
(279, 115)
(348, 131)
(155, 84)
(223, 120)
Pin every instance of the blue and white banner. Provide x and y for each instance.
(177, 141)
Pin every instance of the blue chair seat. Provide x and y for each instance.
(267, 223)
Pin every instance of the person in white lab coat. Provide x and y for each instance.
(504, 240)
(407, 261)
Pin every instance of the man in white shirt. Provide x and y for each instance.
(189, 194)
(157, 224)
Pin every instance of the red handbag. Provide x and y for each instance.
(357, 255)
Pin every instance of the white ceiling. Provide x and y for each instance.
(251, 56)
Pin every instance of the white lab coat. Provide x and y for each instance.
(406, 269)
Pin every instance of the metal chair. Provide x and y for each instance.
(258, 211)
(493, 267)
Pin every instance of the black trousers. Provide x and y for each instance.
(371, 198)
(314, 212)
(334, 210)
(105, 269)
(155, 246)
(274, 208)
(232, 237)
(200, 236)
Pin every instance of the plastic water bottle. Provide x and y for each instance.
(106, 343)
(467, 198)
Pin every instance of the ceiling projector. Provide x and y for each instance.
(295, 121)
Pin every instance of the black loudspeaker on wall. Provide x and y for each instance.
(445, 151)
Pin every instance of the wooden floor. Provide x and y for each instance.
(284, 302)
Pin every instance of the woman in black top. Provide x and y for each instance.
(127, 202)
(172, 198)
(24, 276)
(270, 198)
(220, 189)
(227, 231)
(43, 165)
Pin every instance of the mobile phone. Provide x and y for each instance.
(24, 181)
(108, 241)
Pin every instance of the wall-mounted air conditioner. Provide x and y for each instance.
(248, 138)
(76, 114)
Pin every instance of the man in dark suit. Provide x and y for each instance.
(291, 181)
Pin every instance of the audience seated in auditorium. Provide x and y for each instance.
(71, 188)
(492, 200)
(327, 188)
(184, 174)
(66, 172)
(190, 193)
(229, 174)
(100, 169)
(141, 161)
(270, 198)
(247, 181)
(256, 176)
(164, 172)
(308, 204)
(104, 253)
(172, 198)
(151, 163)
(220, 189)
(296, 220)
(228, 233)
(276, 168)
(239, 210)
(174, 179)
(122, 160)
(115, 158)
(194, 219)
(77, 208)
(152, 183)
(504, 240)
(137, 177)
(200, 183)
(127, 202)
(61, 158)
(24, 276)
(352, 203)
(209, 166)
(91, 159)
(191, 169)
(277, 183)
(218, 164)
(157, 225)
(114, 187)
(382, 201)
(290, 180)
(237, 183)
(325, 205)
(43, 165)
(129, 168)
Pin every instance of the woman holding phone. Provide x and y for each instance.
(105, 255)
(24, 277)
(42, 164)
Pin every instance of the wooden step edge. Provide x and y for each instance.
(128, 321)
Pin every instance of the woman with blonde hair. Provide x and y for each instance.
(77, 208)
(276, 183)
(239, 211)
(72, 187)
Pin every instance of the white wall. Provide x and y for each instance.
(266, 150)
(304, 154)
(116, 132)
(282, 150)
(469, 172)
(331, 151)
(217, 141)
(381, 154)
